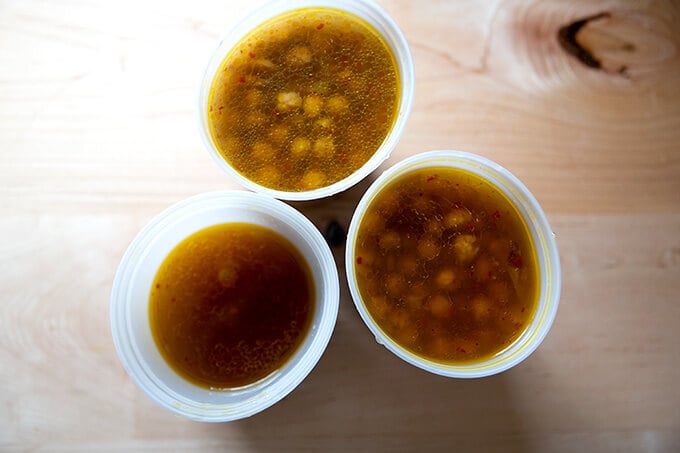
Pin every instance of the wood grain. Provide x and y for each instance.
(98, 134)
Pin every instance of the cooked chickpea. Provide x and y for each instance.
(457, 218)
(465, 247)
(288, 101)
(395, 284)
(445, 278)
(440, 305)
(263, 63)
(312, 105)
(344, 75)
(300, 147)
(299, 55)
(323, 123)
(481, 308)
(313, 179)
(428, 249)
(280, 34)
(415, 297)
(337, 105)
(324, 147)
(389, 240)
(435, 227)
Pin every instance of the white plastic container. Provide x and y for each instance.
(366, 10)
(130, 304)
(542, 237)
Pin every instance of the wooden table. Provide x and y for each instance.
(98, 134)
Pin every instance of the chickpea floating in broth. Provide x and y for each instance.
(324, 147)
(313, 179)
(457, 263)
(288, 101)
(312, 105)
(300, 147)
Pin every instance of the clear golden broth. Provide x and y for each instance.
(230, 304)
(304, 100)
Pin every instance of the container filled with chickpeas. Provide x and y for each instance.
(452, 264)
(305, 98)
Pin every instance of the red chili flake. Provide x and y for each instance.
(359, 260)
(220, 107)
(241, 79)
(251, 54)
(489, 274)
(211, 108)
(158, 285)
(515, 260)
(496, 215)
(343, 158)
(459, 349)
(517, 325)
(320, 26)
(431, 178)
(471, 227)
(522, 309)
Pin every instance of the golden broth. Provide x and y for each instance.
(230, 304)
(445, 266)
(304, 100)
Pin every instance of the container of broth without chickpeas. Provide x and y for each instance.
(223, 304)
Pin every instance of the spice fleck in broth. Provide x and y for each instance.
(304, 100)
(231, 304)
(445, 266)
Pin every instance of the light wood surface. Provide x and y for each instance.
(98, 134)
